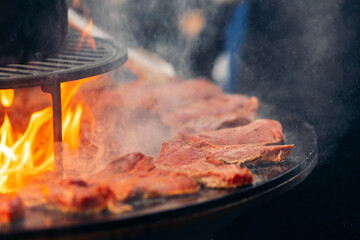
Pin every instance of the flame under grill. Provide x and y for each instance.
(73, 63)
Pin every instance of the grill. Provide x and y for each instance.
(72, 63)
(199, 216)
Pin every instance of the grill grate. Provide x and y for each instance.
(71, 64)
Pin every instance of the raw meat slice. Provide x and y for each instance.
(135, 175)
(172, 96)
(184, 158)
(156, 183)
(160, 98)
(75, 196)
(11, 208)
(165, 183)
(217, 112)
(260, 131)
(245, 153)
(128, 163)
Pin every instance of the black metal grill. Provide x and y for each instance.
(71, 64)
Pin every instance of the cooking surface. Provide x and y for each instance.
(71, 64)
(270, 179)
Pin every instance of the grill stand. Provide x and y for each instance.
(54, 89)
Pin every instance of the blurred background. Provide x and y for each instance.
(298, 55)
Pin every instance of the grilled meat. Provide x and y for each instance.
(172, 96)
(220, 111)
(185, 158)
(128, 163)
(135, 175)
(261, 131)
(152, 184)
(160, 98)
(78, 197)
(244, 153)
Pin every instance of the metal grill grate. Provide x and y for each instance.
(71, 64)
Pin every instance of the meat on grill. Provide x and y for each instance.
(160, 98)
(11, 208)
(155, 183)
(220, 111)
(78, 197)
(244, 153)
(129, 163)
(135, 175)
(172, 96)
(260, 131)
(184, 158)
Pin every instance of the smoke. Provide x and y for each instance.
(115, 122)
(156, 26)
(292, 56)
(293, 59)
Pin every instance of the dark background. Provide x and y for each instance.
(282, 63)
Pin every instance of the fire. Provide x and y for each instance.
(7, 97)
(31, 153)
(87, 34)
(85, 31)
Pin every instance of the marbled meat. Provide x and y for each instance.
(244, 153)
(182, 157)
(260, 131)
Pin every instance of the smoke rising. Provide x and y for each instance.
(155, 25)
(293, 59)
(293, 56)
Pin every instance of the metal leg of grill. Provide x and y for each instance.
(55, 91)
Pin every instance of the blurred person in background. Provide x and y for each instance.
(189, 34)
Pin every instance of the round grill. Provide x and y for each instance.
(72, 63)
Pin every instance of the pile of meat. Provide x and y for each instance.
(213, 136)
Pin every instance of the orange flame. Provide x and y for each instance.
(87, 34)
(32, 153)
(7, 97)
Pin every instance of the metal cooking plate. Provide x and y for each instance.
(72, 64)
(186, 216)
